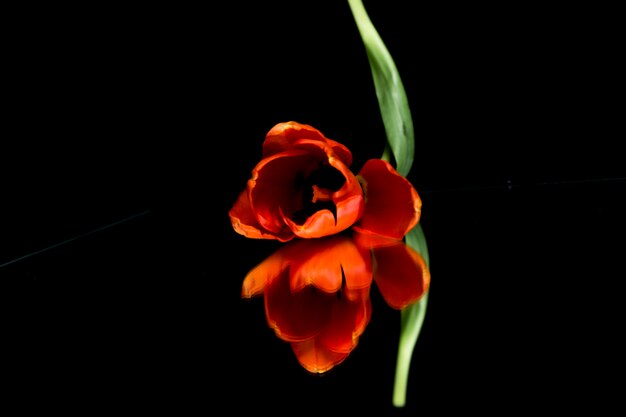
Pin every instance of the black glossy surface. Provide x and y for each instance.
(152, 114)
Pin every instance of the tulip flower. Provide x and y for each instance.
(316, 289)
(303, 187)
(317, 292)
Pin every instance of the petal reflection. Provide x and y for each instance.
(315, 357)
(297, 316)
(316, 297)
(401, 275)
(400, 272)
(317, 291)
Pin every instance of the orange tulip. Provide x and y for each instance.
(303, 187)
(317, 292)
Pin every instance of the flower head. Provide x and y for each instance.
(303, 187)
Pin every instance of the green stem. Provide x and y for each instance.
(400, 147)
(369, 35)
(411, 321)
(387, 155)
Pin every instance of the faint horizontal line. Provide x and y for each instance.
(509, 185)
(91, 232)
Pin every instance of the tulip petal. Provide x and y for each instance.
(348, 321)
(315, 357)
(370, 241)
(284, 136)
(271, 268)
(318, 262)
(357, 269)
(347, 199)
(319, 224)
(349, 205)
(273, 189)
(245, 222)
(401, 274)
(321, 353)
(324, 223)
(296, 317)
(393, 206)
(327, 262)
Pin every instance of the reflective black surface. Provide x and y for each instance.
(150, 122)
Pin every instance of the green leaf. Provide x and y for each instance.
(392, 100)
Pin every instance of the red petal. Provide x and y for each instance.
(323, 263)
(271, 268)
(349, 205)
(315, 357)
(401, 274)
(317, 262)
(245, 222)
(320, 224)
(298, 316)
(349, 320)
(272, 189)
(284, 136)
(370, 241)
(393, 206)
(321, 353)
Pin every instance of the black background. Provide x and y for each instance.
(159, 112)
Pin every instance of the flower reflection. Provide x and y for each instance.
(317, 291)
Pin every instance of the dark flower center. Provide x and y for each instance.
(317, 190)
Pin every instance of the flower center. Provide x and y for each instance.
(321, 194)
(316, 191)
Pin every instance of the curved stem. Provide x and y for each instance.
(396, 115)
(411, 321)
